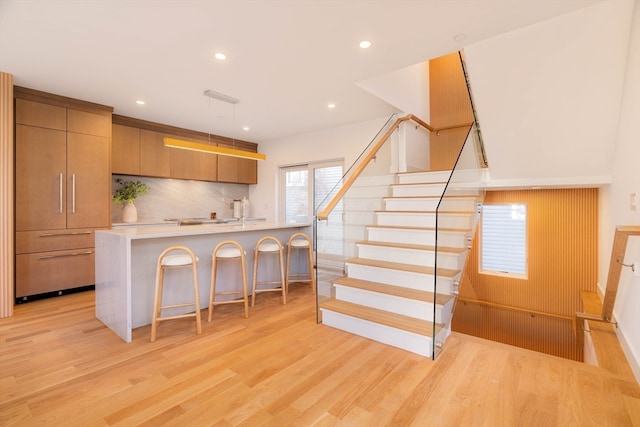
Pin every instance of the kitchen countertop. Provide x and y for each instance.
(151, 231)
(176, 221)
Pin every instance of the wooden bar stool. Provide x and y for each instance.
(268, 245)
(228, 250)
(299, 242)
(187, 259)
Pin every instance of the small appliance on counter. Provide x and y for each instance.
(241, 208)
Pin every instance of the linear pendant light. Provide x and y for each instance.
(212, 149)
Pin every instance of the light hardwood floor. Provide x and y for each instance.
(59, 366)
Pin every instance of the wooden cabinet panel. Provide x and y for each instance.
(247, 171)
(227, 169)
(125, 150)
(88, 180)
(40, 115)
(187, 164)
(237, 170)
(88, 123)
(155, 158)
(44, 272)
(51, 240)
(40, 178)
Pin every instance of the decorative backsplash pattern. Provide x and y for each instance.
(177, 198)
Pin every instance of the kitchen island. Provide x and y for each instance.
(126, 266)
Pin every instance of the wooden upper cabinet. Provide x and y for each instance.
(89, 123)
(138, 149)
(155, 158)
(40, 115)
(247, 171)
(195, 165)
(125, 150)
(237, 170)
(41, 171)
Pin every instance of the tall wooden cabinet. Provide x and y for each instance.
(63, 190)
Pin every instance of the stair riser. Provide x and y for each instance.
(367, 192)
(417, 190)
(423, 220)
(407, 279)
(422, 177)
(405, 306)
(417, 237)
(370, 204)
(385, 334)
(453, 261)
(408, 204)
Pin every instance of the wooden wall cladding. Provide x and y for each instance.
(449, 105)
(6, 196)
(562, 248)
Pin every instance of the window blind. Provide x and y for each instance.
(504, 239)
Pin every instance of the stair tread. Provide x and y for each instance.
(432, 183)
(404, 267)
(406, 323)
(412, 246)
(457, 196)
(405, 227)
(423, 212)
(399, 291)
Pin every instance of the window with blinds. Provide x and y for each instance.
(503, 239)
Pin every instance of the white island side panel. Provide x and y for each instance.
(113, 284)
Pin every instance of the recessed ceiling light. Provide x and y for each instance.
(219, 55)
(365, 44)
(140, 102)
(331, 105)
(245, 128)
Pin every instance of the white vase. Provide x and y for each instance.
(129, 213)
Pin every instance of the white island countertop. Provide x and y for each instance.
(126, 261)
(174, 230)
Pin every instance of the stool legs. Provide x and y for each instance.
(298, 242)
(268, 245)
(166, 261)
(233, 252)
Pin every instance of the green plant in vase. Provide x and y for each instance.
(128, 192)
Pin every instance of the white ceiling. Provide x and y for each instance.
(286, 59)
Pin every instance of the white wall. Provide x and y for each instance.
(407, 89)
(548, 96)
(615, 203)
(341, 143)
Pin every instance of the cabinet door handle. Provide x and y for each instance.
(66, 255)
(60, 193)
(73, 196)
(75, 233)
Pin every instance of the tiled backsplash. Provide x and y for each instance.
(177, 198)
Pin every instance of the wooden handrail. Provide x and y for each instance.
(613, 279)
(324, 214)
(518, 309)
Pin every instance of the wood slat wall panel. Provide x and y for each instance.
(449, 105)
(562, 261)
(6, 197)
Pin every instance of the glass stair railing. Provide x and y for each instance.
(391, 238)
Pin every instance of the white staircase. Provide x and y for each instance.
(388, 292)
